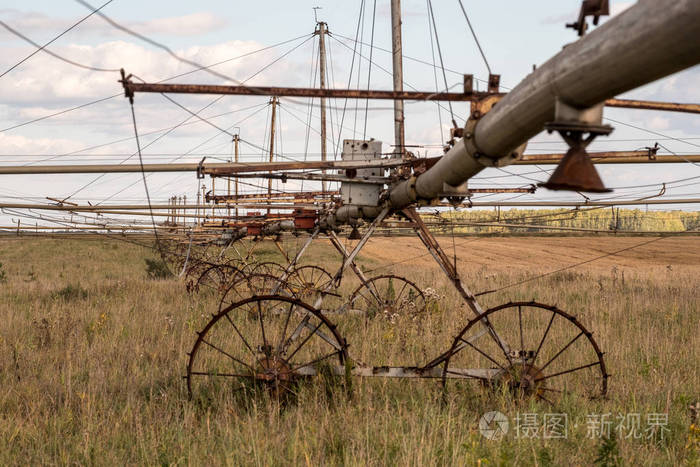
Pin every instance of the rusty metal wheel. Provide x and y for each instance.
(270, 341)
(531, 350)
(389, 296)
(309, 281)
(217, 277)
(252, 285)
(268, 267)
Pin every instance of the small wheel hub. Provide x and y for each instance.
(521, 378)
(273, 369)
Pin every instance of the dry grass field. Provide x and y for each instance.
(93, 353)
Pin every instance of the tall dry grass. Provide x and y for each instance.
(93, 352)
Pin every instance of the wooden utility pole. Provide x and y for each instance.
(236, 138)
(273, 119)
(321, 29)
(397, 62)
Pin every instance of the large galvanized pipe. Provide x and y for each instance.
(648, 41)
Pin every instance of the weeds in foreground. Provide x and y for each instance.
(70, 293)
(92, 359)
(157, 269)
(608, 452)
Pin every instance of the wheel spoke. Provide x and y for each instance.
(582, 367)
(562, 350)
(374, 290)
(228, 355)
(306, 339)
(226, 375)
(482, 353)
(539, 347)
(297, 332)
(497, 338)
(239, 334)
(368, 301)
(319, 359)
(520, 322)
(284, 330)
(262, 326)
(400, 294)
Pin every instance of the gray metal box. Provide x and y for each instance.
(361, 194)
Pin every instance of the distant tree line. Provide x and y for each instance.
(600, 219)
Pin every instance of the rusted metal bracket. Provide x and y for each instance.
(126, 82)
(478, 110)
(200, 169)
(595, 8)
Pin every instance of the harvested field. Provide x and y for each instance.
(93, 353)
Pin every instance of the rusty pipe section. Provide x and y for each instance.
(349, 214)
(648, 41)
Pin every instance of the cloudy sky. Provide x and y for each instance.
(271, 43)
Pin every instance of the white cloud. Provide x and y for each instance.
(34, 23)
(18, 144)
(659, 123)
(44, 80)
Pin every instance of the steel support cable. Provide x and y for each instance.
(571, 266)
(369, 69)
(404, 82)
(312, 83)
(55, 55)
(287, 109)
(329, 65)
(217, 99)
(476, 39)
(161, 81)
(442, 63)
(359, 62)
(68, 225)
(278, 133)
(170, 52)
(161, 130)
(42, 47)
(521, 175)
(413, 59)
(264, 150)
(145, 186)
(352, 66)
(193, 114)
(435, 79)
(413, 258)
(613, 140)
(188, 152)
(652, 132)
(99, 177)
(196, 115)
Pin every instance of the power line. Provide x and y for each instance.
(539, 276)
(55, 55)
(161, 81)
(476, 39)
(652, 132)
(95, 10)
(442, 64)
